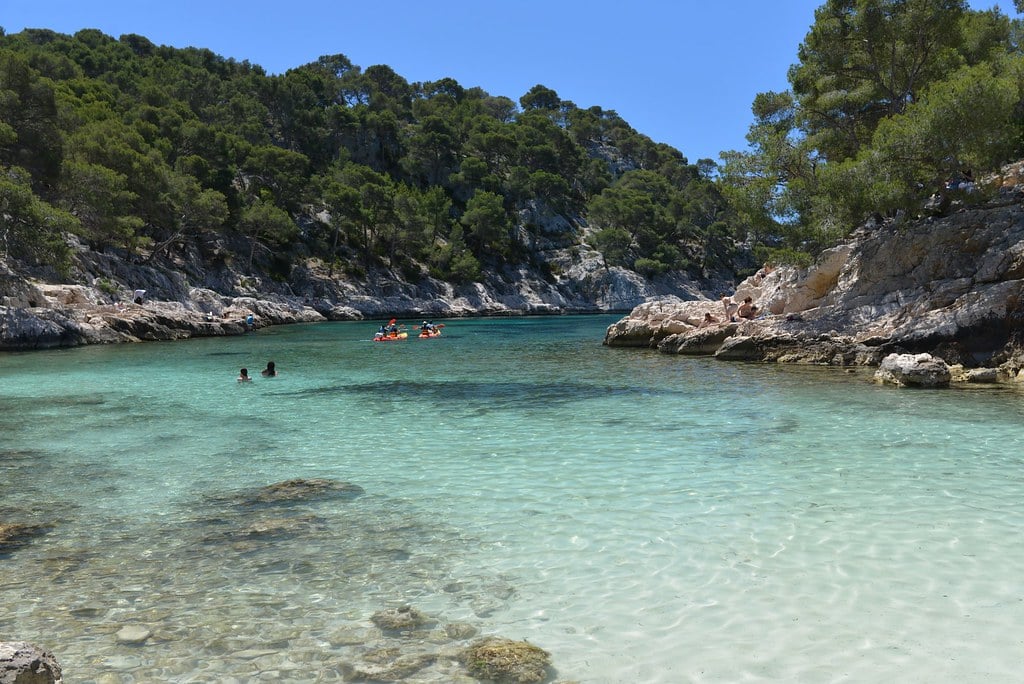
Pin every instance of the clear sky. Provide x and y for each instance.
(683, 72)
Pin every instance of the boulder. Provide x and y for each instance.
(973, 375)
(740, 348)
(505, 660)
(700, 341)
(25, 663)
(400, 619)
(913, 370)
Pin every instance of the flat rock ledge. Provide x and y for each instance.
(25, 663)
(71, 316)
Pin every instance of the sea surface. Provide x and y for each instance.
(641, 517)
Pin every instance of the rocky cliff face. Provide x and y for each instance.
(951, 287)
(199, 290)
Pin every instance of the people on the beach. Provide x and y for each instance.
(243, 375)
(270, 371)
(708, 321)
(747, 308)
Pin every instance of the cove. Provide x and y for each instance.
(642, 517)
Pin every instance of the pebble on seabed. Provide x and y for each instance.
(133, 634)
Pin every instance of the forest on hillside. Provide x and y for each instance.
(133, 145)
(129, 145)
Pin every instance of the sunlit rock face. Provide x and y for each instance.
(951, 287)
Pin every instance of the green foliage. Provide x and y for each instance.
(890, 99)
(131, 144)
(486, 224)
(264, 222)
(29, 227)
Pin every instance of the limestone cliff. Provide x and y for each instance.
(949, 286)
(200, 290)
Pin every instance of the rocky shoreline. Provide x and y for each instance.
(952, 288)
(190, 296)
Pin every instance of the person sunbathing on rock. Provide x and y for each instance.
(747, 309)
(708, 321)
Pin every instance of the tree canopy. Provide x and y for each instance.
(138, 146)
(889, 101)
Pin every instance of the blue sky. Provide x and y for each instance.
(683, 72)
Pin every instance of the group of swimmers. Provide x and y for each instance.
(269, 372)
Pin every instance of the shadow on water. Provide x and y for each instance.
(483, 394)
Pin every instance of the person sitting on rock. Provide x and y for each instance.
(746, 309)
(708, 321)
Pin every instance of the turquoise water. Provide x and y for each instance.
(639, 516)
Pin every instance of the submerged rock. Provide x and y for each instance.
(307, 489)
(133, 634)
(391, 668)
(505, 660)
(15, 535)
(25, 663)
(399, 619)
(291, 492)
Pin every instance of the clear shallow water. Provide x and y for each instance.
(642, 517)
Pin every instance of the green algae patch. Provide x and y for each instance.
(504, 660)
